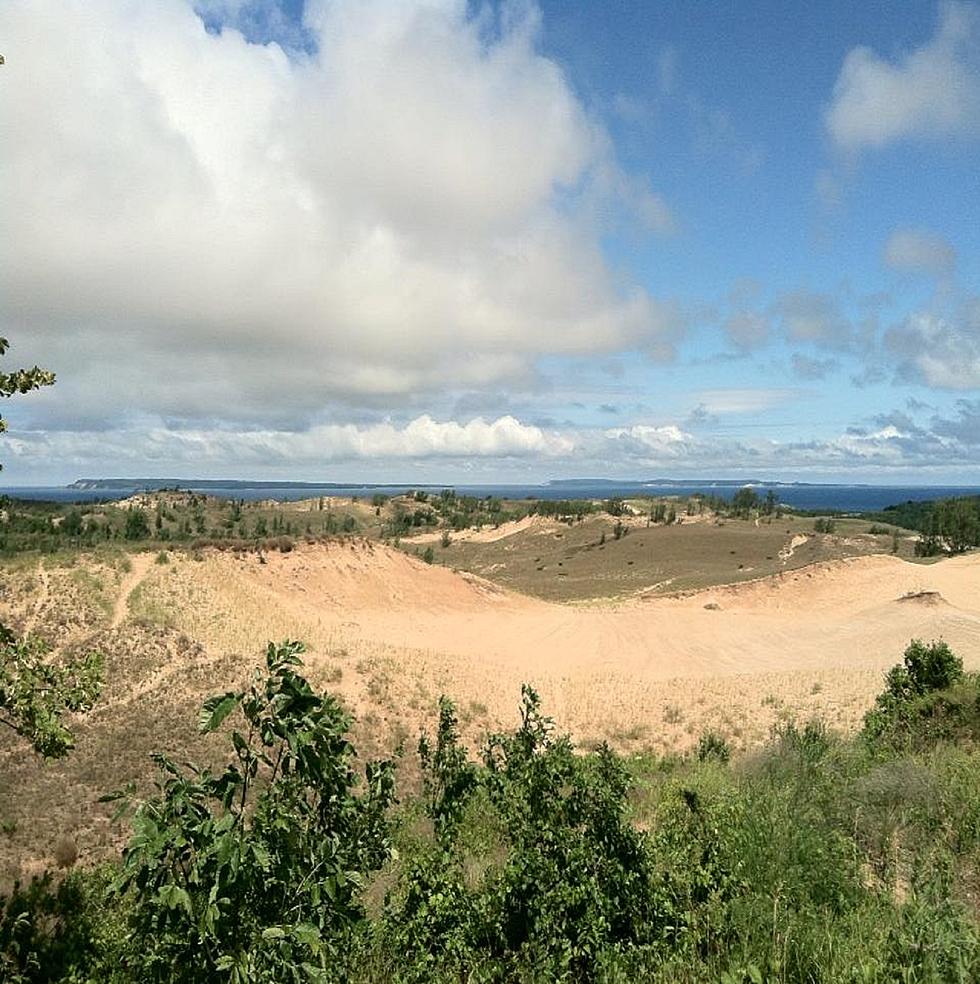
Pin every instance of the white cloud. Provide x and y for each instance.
(933, 91)
(425, 449)
(421, 438)
(940, 352)
(231, 233)
(920, 251)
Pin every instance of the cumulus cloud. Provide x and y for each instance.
(421, 438)
(798, 316)
(405, 205)
(964, 427)
(933, 91)
(920, 251)
(433, 450)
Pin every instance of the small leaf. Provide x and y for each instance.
(274, 933)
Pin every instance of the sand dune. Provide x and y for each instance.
(813, 640)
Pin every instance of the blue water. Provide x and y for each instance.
(845, 498)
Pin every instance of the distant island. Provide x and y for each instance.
(156, 484)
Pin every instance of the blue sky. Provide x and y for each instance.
(443, 241)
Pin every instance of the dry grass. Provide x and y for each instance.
(585, 561)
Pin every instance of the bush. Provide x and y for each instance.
(137, 527)
(711, 745)
(570, 877)
(915, 699)
(56, 928)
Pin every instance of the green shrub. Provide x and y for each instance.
(570, 876)
(711, 745)
(915, 705)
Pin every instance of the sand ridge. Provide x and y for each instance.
(460, 633)
(390, 633)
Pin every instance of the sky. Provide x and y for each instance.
(441, 241)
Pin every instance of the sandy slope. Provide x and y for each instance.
(651, 671)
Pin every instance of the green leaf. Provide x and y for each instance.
(216, 709)
(274, 933)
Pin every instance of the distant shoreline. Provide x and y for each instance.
(801, 496)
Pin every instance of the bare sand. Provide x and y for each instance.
(649, 672)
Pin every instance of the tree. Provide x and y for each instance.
(72, 523)
(745, 501)
(21, 381)
(960, 524)
(255, 873)
(35, 693)
(137, 527)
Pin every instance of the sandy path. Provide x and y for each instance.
(140, 565)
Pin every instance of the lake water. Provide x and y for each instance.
(846, 498)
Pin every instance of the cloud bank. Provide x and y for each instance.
(892, 444)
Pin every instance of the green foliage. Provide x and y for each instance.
(712, 746)
(824, 525)
(615, 507)
(945, 525)
(914, 692)
(36, 693)
(255, 873)
(429, 556)
(571, 878)
(59, 929)
(137, 526)
(564, 510)
(448, 778)
(745, 502)
(810, 860)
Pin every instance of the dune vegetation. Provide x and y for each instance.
(817, 858)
